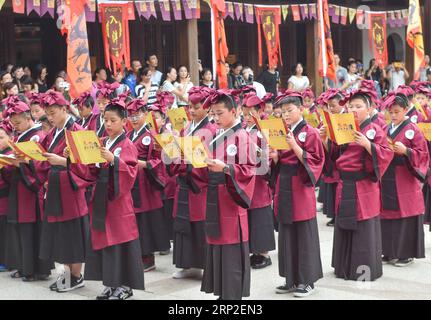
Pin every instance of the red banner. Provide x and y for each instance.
(78, 53)
(220, 44)
(326, 49)
(115, 31)
(18, 6)
(377, 38)
(269, 18)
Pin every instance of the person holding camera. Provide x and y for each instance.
(237, 81)
(397, 75)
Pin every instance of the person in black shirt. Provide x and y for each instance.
(270, 79)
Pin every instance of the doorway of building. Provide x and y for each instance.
(395, 48)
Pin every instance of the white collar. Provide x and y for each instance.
(109, 143)
(64, 126)
(136, 133)
(293, 127)
(193, 125)
(248, 129)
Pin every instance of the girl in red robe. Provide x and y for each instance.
(115, 257)
(5, 137)
(402, 197)
(85, 105)
(191, 195)
(24, 216)
(357, 250)
(231, 180)
(260, 213)
(296, 172)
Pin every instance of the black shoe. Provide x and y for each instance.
(121, 293)
(331, 223)
(75, 283)
(60, 279)
(253, 258)
(106, 293)
(263, 262)
(149, 263)
(285, 289)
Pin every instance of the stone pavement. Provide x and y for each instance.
(412, 282)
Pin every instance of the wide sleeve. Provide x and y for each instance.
(418, 156)
(381, 153)
(313, 157)
(156, 171)
(241, 178)
(123, 172)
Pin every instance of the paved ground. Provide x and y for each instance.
(413, 282)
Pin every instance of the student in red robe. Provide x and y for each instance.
(413, 113)
(115, 258)
(231, 180)
(422, 97)
(106, 92)
(357, 250)
(260, 213)
(65, 235)
(24, 216)
(296, 172)
(402, 198)
(375, 116)
(85, 104)
(36, 109)
(308, 100)
(149, 184)
(331, 99)
(269, 106)
(5, 137)
(191, 194)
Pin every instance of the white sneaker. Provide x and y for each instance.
(303, 290)
(188, 273)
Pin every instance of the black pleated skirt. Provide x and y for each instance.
(357, 255)
(227, 271)
(22, 249)
(403, 238)
(66, 242)
(3, 239)
(299, 252)
(153, 232)
(168, 207)
(116, 266)
(261, 230)
(329, 199)
(190, 249)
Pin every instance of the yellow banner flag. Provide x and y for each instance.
(84, 147)
(415, 37)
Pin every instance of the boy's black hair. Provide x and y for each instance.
(44, 119)
(291, 100)
(229, 102)
(402, 100)
(122, 113)
(89, 102)
(365, 98)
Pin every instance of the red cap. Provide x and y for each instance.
(52, 97)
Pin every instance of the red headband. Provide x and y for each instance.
(199, 94)
(267, 97)
(288, 94)
(106, 89)
(361, 91)
(118, 102)
(389, 100)
(252, 100)
(157, 107)
(34, 98)
(135, 105)
(6, 126)
(165, 99)
(15, 108)
(82, 99)
(308, 93)
(406, 90)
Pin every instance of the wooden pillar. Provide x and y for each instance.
(312, 57)
(427, 25)
(409, 62)
(189, 50)
(7, 36)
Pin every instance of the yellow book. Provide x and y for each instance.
(84, 147)
(169, 145)
(193, 151)
(311, 118)
(151, 122)
(31, 150)
(274, 131)
(341, 127)
(387, 117)
(421, 110)
(178, 118)
(425, 128)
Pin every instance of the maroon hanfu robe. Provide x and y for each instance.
(415, 115)
(361, 172)
(24, 193)
(4, 186)
(90, 122)
(100, 127)
(112, 215)
(295, 198)
(192, 181)
(150, 181)
(65, 196)
(229, 195)
(401, 184)
(380, 120)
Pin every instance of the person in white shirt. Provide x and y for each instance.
(183, 83)
(397, 75)
(248, 75)
(168, 85)
(353, 81)
(298, 81)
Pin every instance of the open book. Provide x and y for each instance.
(31, 150)
(179, 118)
(274, 131)
(84, 147)
(341, 127)
(425, 128)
